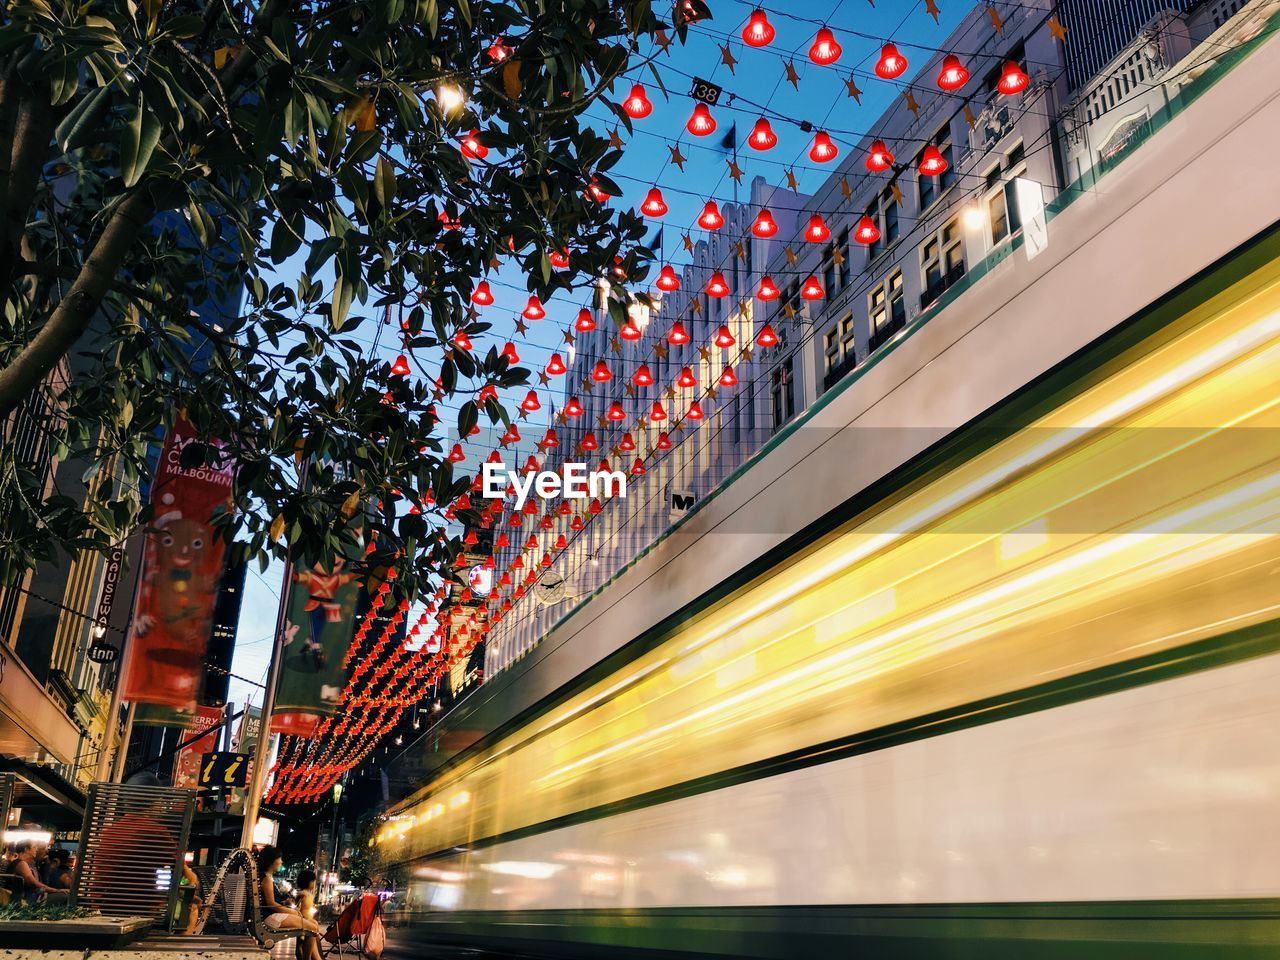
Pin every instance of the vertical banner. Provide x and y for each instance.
(319, 624)
(181, 567)
(186, 765)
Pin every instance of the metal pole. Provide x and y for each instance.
(113, 723)
(122, 754)
(253, 796)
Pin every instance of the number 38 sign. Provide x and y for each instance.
(706, 91)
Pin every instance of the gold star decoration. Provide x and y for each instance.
(631, 390)
(642, 424)
(677, 157)
(792, 183)
(969, 118)
(568, 337)
(687, 241)
(996, 20)
(543, 379)
(495, 263)
(704, 353)
(746, 354)
(615, 139)
(791, 255)
(660, 350)
(562, 417)
(603, 421)
(740, 250)
(521, 326)
(711, 392)
(851, 85)
(614, 345)
(726, 57)
(1056, 29)
(523, 414)
(671, 393)
(678, 427)
(911, 102)
(896, 191)
(696, 306)
(837, 257)
(789, 310)
(663, 40)
(845, 190)
(615, 451)
(587, 385)
(735, 171)
(931, 7)
(793, 78)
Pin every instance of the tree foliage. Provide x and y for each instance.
(167, 157)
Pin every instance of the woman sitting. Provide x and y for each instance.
(281, 918)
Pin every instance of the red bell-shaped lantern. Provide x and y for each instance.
(456, 455)
(823, 149)
(764, 225)
(817, 231)
(627, 443)
(642, 377)
(601, 373)
(589, 441)
(462, 341)
(879, 158)
(576, 523)
(701, 123)
(762, 136)
(596, 192)
(573, 408)
(932, 162)
(866, 231)
(954, 74)
(728, 378)
(678, 334)
(533, 309)
(654, 205)
(758, 32)
(825, 51)
(472, 148)
(615, 412)
(723, 337)
(812, 289)
(559, 259)
(629, 331)
(695, 411)
(710, 218)
(585, 322)
(656, 412)
(766, 337)
(555, 366)
(637, 468)
(1013, 79)
(768, 290)
(891, 64)
(667, 280)
(401, 367)
(550, 440)
(482, 296)
(663, 442)
(686, 378)
(637, 105)
(717, 286)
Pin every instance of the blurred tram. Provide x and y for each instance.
(1020, 700)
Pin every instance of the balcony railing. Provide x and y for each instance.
(835, 373)
(897, 320)
(942, 285)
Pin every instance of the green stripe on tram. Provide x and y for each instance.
(1109, 930)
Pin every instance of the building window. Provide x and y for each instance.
(1002, 204)
(941, 261)
(839, 351)
(782, 393)
(886, 309)
(884, 211)
(932, 187)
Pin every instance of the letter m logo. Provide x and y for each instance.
(681, 503)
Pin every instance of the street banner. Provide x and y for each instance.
(158, 715)
(245, 741)
(319, 624)
(181, 568)
(187, 764)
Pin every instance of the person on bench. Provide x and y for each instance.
(279, 918)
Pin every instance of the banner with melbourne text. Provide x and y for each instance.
(181, 569)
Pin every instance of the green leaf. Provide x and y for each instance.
(80, 126)
(384, 183)
(138, 143)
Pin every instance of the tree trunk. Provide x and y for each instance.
(71, 317)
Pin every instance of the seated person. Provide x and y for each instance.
(278, 917)
(22, 865)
